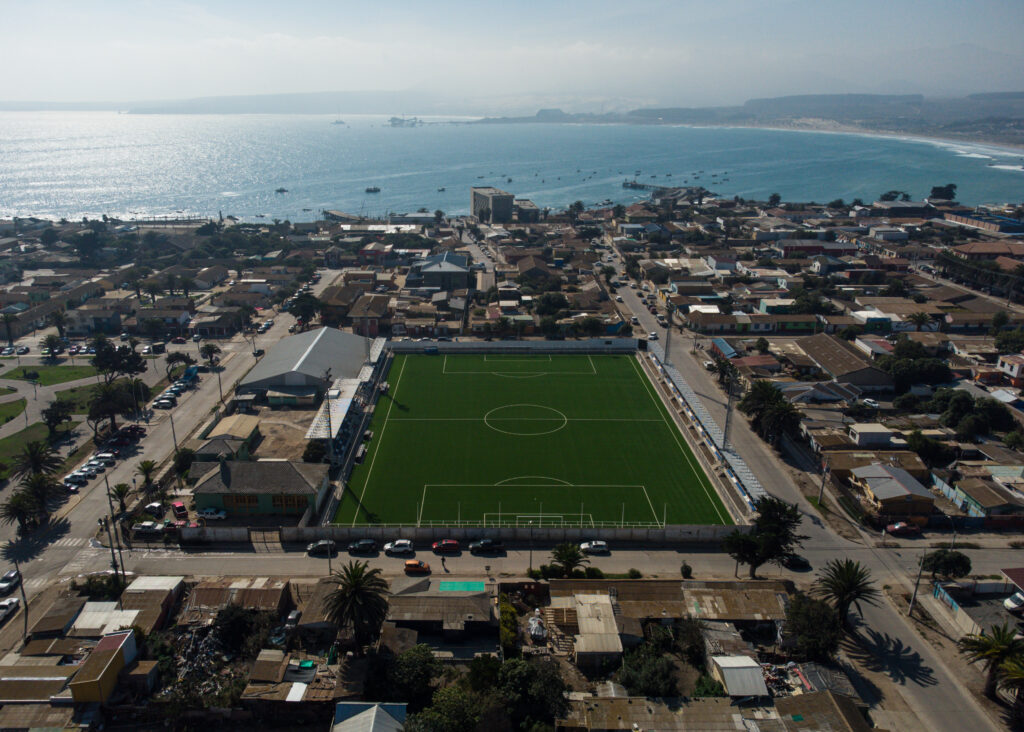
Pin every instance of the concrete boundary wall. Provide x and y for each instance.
(587, 345)
(513, 535)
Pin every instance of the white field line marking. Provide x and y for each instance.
(423, 502)
(373, 461)
(524, 374)
(506, 359)
(529, 477)
(654, 514)
(697, 470)
(523, 419)
(592, 366)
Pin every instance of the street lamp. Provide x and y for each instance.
(531, 547)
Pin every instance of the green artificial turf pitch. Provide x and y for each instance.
(517, 438)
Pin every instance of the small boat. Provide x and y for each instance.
(338, 122)
(307, 209)
(373, 189)
(441, 189)
(261, 216)
(280, 190)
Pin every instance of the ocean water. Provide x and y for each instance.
(74, 164)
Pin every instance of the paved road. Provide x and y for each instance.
(926, 685)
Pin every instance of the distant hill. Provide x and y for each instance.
(365, 102)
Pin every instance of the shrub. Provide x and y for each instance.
(593, 573)
(686, 570)
(634, 573)
(707, 686)
(508, 628)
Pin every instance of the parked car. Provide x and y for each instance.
(399, 546)
(595, 547)
(652, 336)
(215, 514)
(902, 528)
(1014, 603)
(146, 350)
(444, 546)
(155, 509)
(9, 581)
(179, 510)
(107, 458)
(196, 338)
(163, 404)
(8, 607)
(362, 546)
(485, 546)
(796, 563)
(416, 566)
(22, 350)
(76, 479)
(292, 621)
(323, 547)
(179, 340)
(870, 403)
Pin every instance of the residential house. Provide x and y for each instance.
(844, 363)
(370, 315)
(263, 488)
(893, 491)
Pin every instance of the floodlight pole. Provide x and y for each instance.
(728, 412)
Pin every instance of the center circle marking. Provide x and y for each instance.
(526, 425)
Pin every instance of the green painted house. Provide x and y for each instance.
(261, 488)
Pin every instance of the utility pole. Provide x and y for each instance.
(913, 599)
(117, 535)
(24, 599)
(174, 436)
(104, 524)
(825, 470)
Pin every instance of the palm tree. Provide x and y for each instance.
(209, 351)
(170, 281)
(845, 582)
(723, 369)
(919, 320)
(1012, 673)
(58, 319)
(993, 649)
(359, 601)
(146, 469)
(8, 319)
(121, 491)
(42, 489)
(778, 420)
(136, 284)
(569, 557)
(187, 284)
(20, 508)
(36, 458)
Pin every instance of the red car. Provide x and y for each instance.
(444, 546)
(179, 339)
(902, 528)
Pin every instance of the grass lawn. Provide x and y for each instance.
(520, 438)
(10, 410)
(49, 375)
(6, 390)
(80, 396)
(11, 446)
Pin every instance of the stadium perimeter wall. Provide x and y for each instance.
(671, 534)
(586, 345)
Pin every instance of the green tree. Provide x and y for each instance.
(534, 691)
(1014, 440)
(54, 343)
(812, 628)
(59, 320)
(1011, 674)
(772, 537)
(410, 677)
(453, 709)
(20, 508)
(992, 650)
(845, 583)
(762, 345)
(1000, 320)
(154, 289)
(187, 285)
(175, 358)
(55, 414)
(305, 307)
(210, 351)
(774, 200)
(121, 491)
(36, 458)
(315, 452)
(359, 600)
(944, 193)
(949, 563)
(569, 557)
(618, 211)
(183, 460)
(646, 671)
(9, 319)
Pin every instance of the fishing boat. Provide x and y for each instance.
(338, 122)
(280, 190)
(373, 189)
(441, 189)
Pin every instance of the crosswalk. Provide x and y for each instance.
(71, 542)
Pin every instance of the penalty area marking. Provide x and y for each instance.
(563, 484)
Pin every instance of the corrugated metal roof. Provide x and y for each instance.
(742, 674)
(155, 583)
(311, 354)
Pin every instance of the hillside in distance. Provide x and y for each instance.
(989, 117)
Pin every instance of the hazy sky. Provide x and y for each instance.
(679, 52)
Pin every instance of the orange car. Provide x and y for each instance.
(416, 566)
